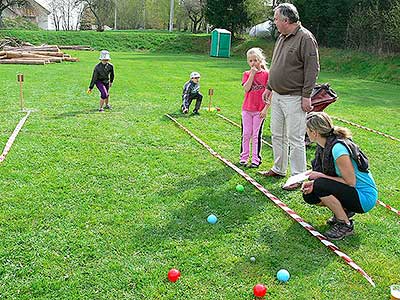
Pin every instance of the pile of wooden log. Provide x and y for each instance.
(34, 55)
(76, 47)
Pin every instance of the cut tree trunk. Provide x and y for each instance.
(48, 53)
(23, 61)
(12, 54)
(75, 47)
(49, 48)
(71, 59)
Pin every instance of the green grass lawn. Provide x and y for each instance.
(101, 206)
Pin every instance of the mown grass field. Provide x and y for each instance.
(101, 206)
(384, 68)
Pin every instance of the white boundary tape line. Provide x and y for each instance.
(279, 203)
(379, 201)
(366, 128)
(11, 139)
(389, 207)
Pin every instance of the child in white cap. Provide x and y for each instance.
(103, 78)
(191, 90)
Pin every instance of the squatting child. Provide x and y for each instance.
(191, 90)
(103, 78)
(254, 108)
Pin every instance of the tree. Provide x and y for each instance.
(228, 14)
(194, 10)
(259, 11)
(87, 19)
(9, 3)
(371, 25)
(157, 13)
(100, 9)
(55, 14)
(392, 26)
(131, 14)
(65, 14)
(327, 19)
(374, 26)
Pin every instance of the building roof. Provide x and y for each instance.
(41, 3)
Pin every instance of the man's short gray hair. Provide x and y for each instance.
(288, 11)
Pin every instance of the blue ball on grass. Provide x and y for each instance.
(212, 219)
(283, 275)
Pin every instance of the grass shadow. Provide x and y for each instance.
(282, 246)
(198, 199)
(69, 114)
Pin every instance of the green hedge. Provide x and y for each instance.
(117, 40)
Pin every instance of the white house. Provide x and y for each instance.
(32, 10)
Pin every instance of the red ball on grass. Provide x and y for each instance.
(259, 290)
(173, 275)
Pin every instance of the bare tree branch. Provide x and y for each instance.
(100, 9)
(195, 11)
(8, 4)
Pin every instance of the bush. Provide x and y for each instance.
(19, 23)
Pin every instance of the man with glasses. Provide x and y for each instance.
(293, 73)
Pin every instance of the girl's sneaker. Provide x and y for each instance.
(243, 163)
(101, 110)
(253, 166)
(107, 106)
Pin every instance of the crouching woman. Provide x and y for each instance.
(338, 180)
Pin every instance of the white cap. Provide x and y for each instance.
(194, 74)
(104, 54)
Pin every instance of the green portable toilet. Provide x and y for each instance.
(220, 43)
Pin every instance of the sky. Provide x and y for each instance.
(43, 3)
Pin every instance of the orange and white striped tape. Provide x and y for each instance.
(389, 207)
